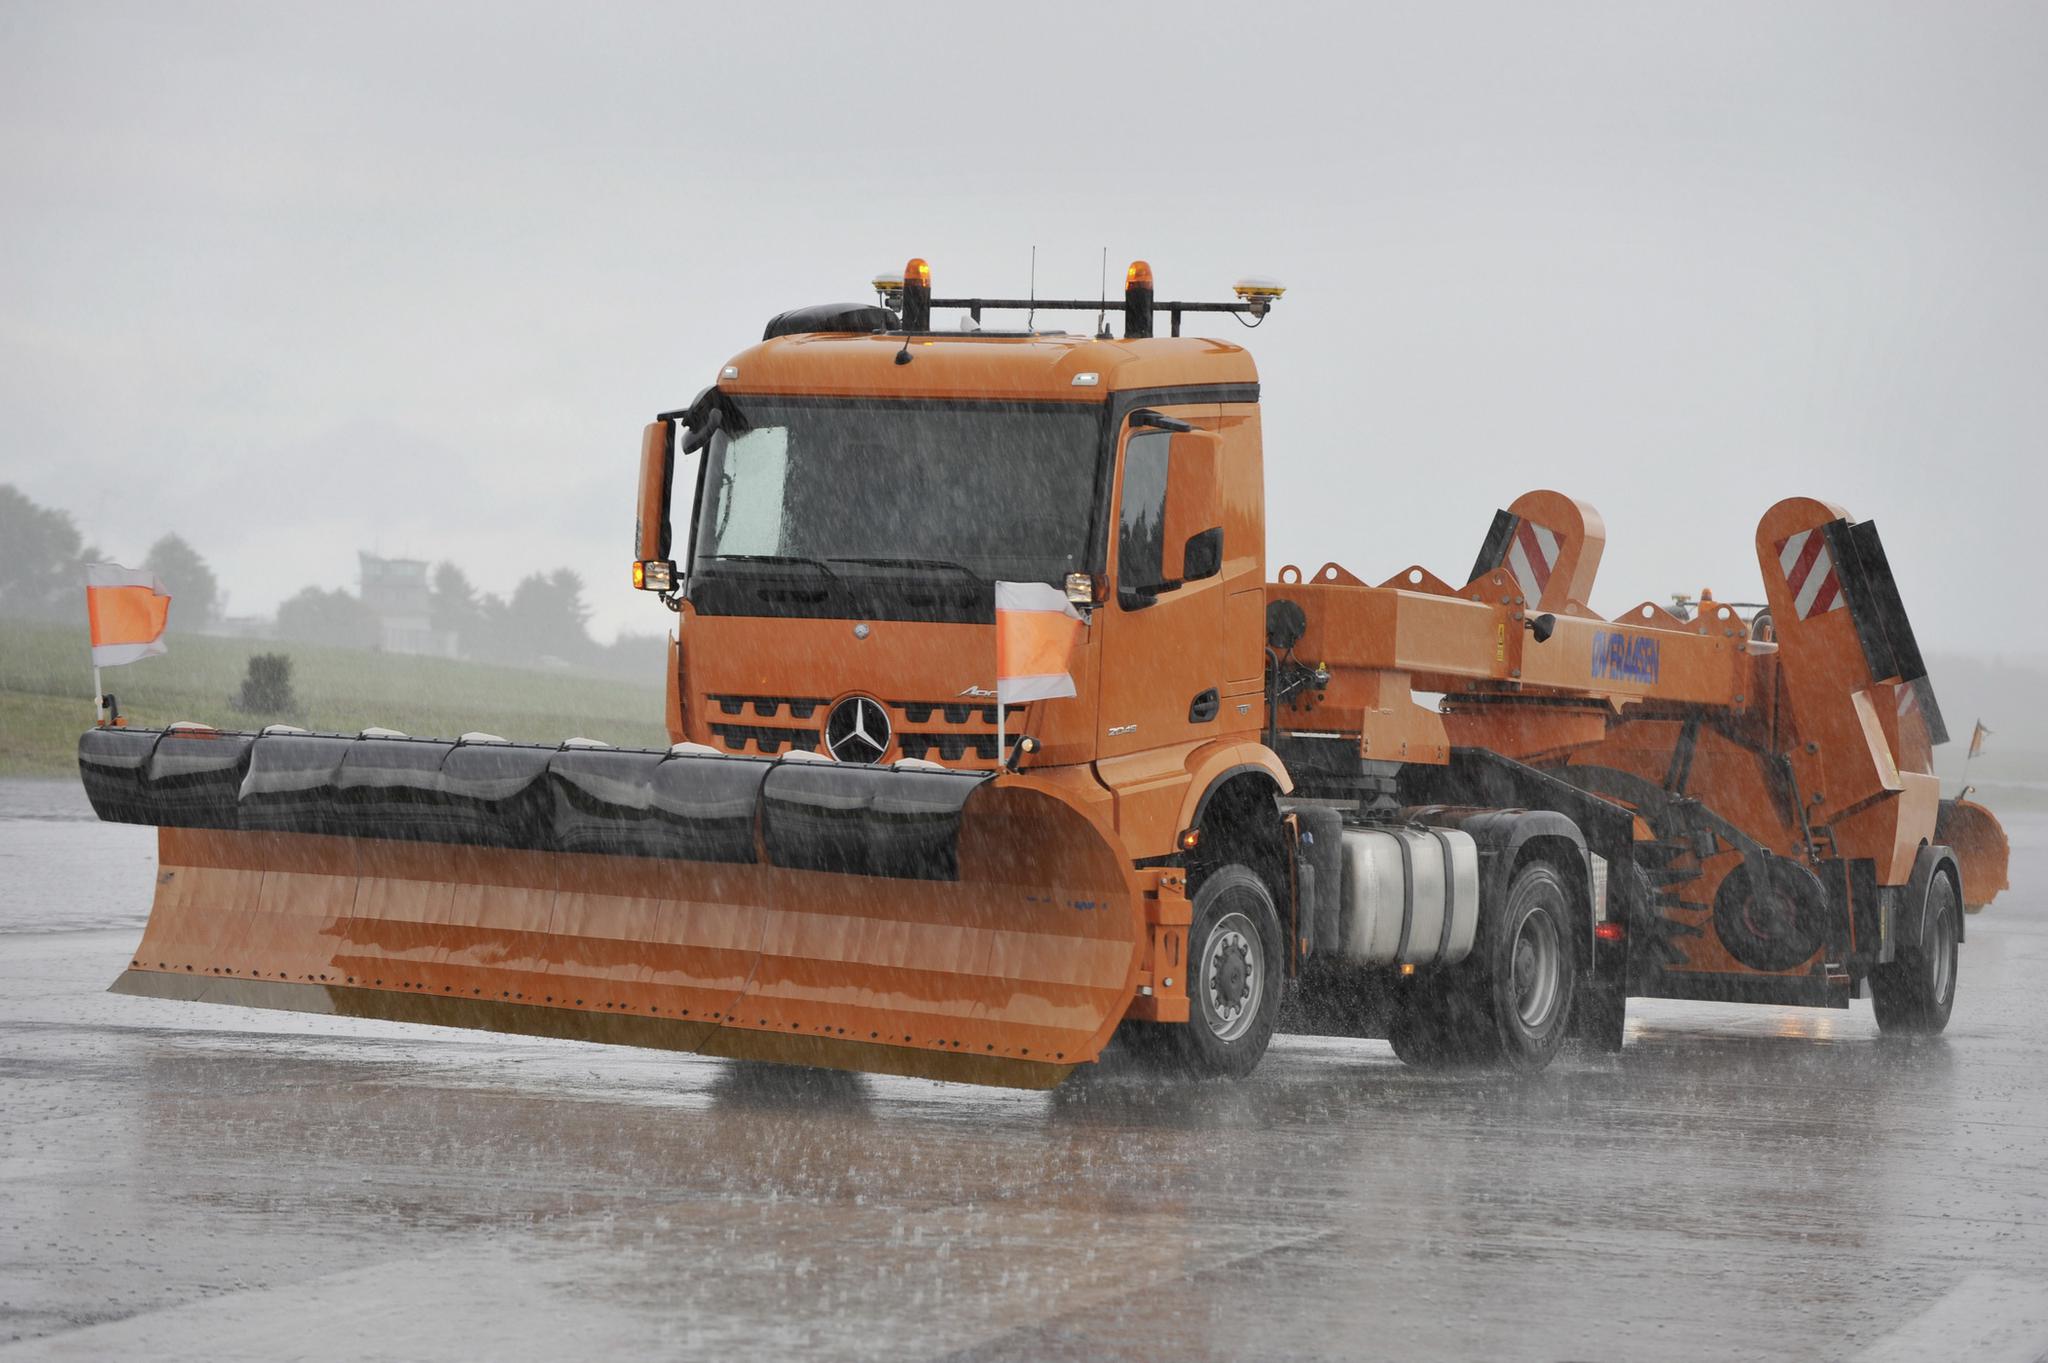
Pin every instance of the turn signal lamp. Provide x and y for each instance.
(656, 575)
(1190, 839)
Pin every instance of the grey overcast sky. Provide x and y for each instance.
(294, 280)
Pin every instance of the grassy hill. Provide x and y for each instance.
(46, 694)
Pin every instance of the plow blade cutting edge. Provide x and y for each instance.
(920, 922)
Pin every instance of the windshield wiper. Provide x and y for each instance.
(779, 560)
(960, 568)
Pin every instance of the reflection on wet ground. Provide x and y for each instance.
(1739, 1183)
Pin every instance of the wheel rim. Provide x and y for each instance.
(1944, 961)
(1233, 984)
(1537, 970)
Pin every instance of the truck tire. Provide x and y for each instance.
(1235, 963)
(1509, 1003)
(1527, 969)
(1914, 994)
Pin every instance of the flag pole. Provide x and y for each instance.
(1000, 718)
(99, 697)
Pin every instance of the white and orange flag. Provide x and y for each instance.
(127, 608)
(1036, 630)
(1977, 737)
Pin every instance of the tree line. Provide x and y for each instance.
(543, 622)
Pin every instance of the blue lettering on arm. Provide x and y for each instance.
(1624, 657)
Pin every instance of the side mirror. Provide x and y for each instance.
(653, 569)
(1192, 530)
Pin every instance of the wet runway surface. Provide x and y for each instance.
(183, 1181)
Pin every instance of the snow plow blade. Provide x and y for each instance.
(905, 921)
(1974, 834)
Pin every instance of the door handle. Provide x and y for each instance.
(1204, 707)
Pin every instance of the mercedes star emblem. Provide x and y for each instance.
(857, 730)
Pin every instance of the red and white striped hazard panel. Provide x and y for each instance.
(1532, 556)
(1810, 573)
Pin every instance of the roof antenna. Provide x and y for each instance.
(1031, 317)
(1102, 317)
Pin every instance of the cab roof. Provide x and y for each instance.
(1039, 367)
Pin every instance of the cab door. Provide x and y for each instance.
(1164, 625)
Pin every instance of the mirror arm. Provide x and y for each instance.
(1145, 416)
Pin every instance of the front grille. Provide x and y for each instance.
(735, 723)
(955, 712)
(942, 747)
(766, 738)
(767, 707)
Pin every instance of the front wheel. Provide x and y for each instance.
(1235, 966)
(1914, 994)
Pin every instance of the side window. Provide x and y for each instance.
(1140, 529)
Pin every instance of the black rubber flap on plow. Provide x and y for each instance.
(867, 821)
(113, 765)
(391, 788)
(643, 804)
(290, 784)
(811, 816)
(184, 778)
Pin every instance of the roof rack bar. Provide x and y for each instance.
(975, 305)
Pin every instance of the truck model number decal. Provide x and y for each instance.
(1624, 657)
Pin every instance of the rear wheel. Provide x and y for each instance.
(1530, 969)
(1234, 975)
(1508, 1003)
(1914, 994)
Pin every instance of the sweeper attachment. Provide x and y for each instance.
(905, 919)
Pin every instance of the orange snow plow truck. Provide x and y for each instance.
(1468, 815)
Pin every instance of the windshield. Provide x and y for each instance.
(891, 501)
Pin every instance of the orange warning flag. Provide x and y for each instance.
(1036, 630)
(1977, 737)
(127, 608)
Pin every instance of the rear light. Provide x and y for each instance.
(1609, 932)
